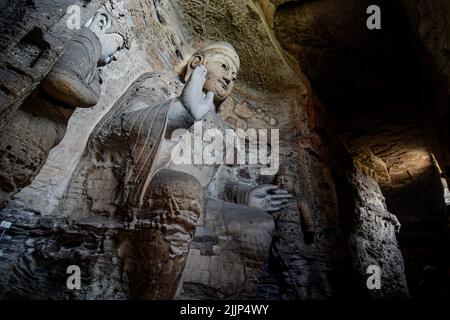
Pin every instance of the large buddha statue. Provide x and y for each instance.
(127, 174)
(40, 123)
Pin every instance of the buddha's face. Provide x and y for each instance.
(111, 42)
(221, 75)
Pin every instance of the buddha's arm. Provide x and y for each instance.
(306, 215)
(178, 118)
(237, 192)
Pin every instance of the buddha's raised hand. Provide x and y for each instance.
(193, 98)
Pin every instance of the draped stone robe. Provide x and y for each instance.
(125, 145)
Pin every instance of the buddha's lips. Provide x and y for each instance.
(224, 85)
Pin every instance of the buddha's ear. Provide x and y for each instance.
(100, 22)
(193, 62)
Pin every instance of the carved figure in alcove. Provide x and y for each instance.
(287, 180)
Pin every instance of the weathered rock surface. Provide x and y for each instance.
(228, 252)
(37, 251)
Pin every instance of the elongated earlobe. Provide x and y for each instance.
(193, 62)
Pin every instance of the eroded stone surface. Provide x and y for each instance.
(228, 252)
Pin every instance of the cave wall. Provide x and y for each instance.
(421, 208)
(399, 157)
(429, 25)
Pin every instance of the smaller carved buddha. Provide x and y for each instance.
(287, 181)
(74, 80)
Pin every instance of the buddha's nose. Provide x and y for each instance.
(227, 78)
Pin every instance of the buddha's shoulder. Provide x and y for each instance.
(149, 89)
(158, 82)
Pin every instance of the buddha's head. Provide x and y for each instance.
(222, 64)
(112, 25)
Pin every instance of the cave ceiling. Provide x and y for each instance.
(350, 66)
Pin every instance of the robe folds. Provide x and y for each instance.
(136, 125)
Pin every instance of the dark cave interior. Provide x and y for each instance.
(379, 88)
